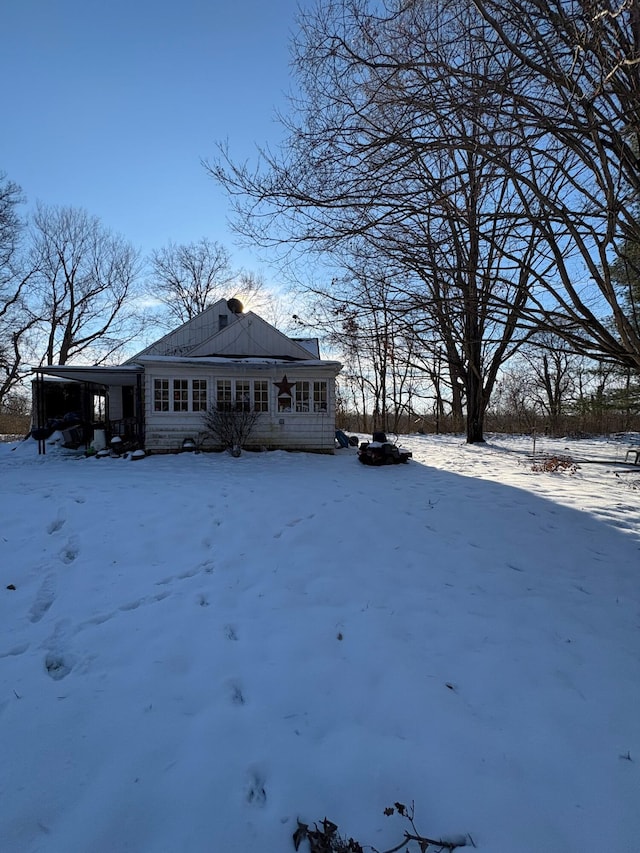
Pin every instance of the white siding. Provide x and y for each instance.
(115, 402)
(182, 340)
(312, 431)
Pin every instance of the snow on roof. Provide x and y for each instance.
(254, 361)
(99, 374)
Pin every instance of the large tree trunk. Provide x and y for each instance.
(476, 406)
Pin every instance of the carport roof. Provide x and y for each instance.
(96, 374)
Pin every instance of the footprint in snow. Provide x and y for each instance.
(188, 573)
(57, 666)
(55, 525)
(44, 599)
(69, 553)
(131, 605)
(256, 792)
(138, 602)
(15, 651)
(235, 691)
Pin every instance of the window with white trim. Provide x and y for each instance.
(260, 396)
(223, 394)
(285, 403)
(199, 395)
(160, 395)
(180, 395)
(302, 396)
(243, 395)
(320, 396)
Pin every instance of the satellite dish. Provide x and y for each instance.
(235, 306)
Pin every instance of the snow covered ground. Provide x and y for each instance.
(199, 649)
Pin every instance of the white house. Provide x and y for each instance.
(222, 358)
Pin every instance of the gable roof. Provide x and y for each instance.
(250, 335)
(182, 340)
(244, 335)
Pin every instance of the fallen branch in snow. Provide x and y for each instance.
(328, 840)
(422, 841)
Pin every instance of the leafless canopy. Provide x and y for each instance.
(494, 140)
(15, 324)
(83, 283)
(186, 279)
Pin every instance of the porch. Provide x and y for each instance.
(88, 404)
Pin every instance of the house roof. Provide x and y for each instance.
(219, 335)
(221, 331)
(251, 336)
(254, 363)
(182, 340)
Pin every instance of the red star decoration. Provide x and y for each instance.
(284, 387)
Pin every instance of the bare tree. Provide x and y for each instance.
(574, 101)
(83, 287)
(552, 371)
(188, 278)
(513, 404)
(10, 222)
(15, 273)
(625, 276)
(388, 152)
(358, 318)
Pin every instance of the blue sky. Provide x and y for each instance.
(112, 106)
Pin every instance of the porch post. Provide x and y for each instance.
(139, 409)
(87, 414)
(42, 444)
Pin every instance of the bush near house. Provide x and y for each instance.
(230, 426)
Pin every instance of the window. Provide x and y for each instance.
(199, 395)
(307, 397)
(192, 395)
(180, 395)
(160, 395)
(187, 395)
(261, 396)
(302, 396)
(243, 395)
(223, 394)
(319, 396)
